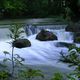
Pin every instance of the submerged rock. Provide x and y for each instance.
(64, 44)
(21, 43)
(46, 36)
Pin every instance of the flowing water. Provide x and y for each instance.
(58, 30)
(39, 52)
(42, 55)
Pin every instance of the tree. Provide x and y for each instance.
(74, 6)
(73, 58)
(13, 8)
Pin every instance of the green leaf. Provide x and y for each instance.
(4, 75)
(31, 73)
(21, 32)
(57, 76)
(70, 77)
(6, 53)
(6, 59)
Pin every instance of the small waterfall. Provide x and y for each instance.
(29, 31)
(58, 30)
(65, 36)
(33, 29)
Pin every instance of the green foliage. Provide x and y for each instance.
(15, 60)
(13, 8)
(57, 76)
(4, 75)
(18, 60)
(15, 31)
(25, 8)
(70, 77)
(6, 53)
(74, 76)
(14, 5)
(30, 74)
(73, 10)
(76, 48)
(73, 58)
(40, 9)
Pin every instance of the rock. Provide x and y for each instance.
(77, 40)
(76, 30)
(73, 27)
(77, 37)
(21, 43)
(76, 34)
(46, 36)
(63, 44)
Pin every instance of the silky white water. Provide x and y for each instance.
(40, 52)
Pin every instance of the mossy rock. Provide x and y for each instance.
(21, 43)
(46, 36)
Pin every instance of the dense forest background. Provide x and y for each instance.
(39, 8)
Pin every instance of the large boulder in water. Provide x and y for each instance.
(46, 36)
(21, 43)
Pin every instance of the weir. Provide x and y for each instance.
(31, 29)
